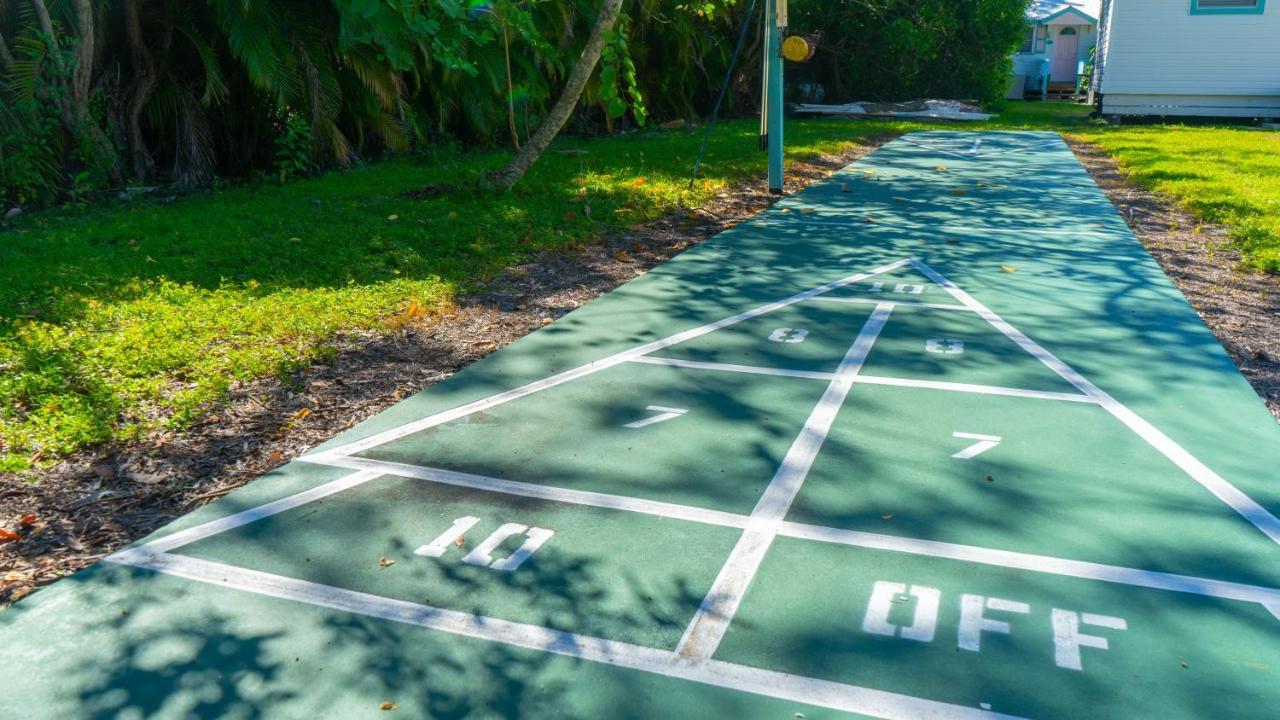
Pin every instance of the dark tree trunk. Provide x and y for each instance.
(144, 81)
(560, 112)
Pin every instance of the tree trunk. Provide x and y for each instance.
(563, 108)
(144, 80)
(76, 118)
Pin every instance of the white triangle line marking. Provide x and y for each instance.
(598, 365)
(1214, 483)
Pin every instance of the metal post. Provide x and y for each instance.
(773, 100)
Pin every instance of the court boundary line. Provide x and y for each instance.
(895, 303)
(602, 363)
(694, 657)
(367, 470)
(1234, 498)
(704, 632)
(718, 673)
(861, 379)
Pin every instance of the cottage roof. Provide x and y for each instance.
(1043, 10)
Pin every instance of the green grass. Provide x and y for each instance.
(122, 321)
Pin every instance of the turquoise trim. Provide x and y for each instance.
(1258, 10)
(1092, 20)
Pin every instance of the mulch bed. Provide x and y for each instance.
(95, 502)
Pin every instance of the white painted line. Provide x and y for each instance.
(230, 522)
(1273, 608)
(541, 492)
(601, 364)
(372, 469)
(961, 155)
(968, 388)
(931, 548)
(1036, 563)
(709, 624)
(973, 154)
(985, 443)
(768, 683)
(664, 414)
(893, 222)
(895, 303)
(729, 367)
(1214, 483)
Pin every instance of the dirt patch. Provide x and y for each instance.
(1240, 306)
(97, 501)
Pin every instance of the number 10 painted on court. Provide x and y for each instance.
(482, 554)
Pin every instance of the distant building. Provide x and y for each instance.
(1208, 58)
(1063, 33)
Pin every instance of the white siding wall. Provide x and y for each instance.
(1190, 64)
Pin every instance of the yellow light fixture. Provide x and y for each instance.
(797, 48)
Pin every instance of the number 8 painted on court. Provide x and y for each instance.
(944, 346)
(789, 335)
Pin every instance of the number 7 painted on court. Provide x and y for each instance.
(985, 443)
(664, 414)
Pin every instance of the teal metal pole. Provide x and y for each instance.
(773, 48)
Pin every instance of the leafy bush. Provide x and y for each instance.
(903, 49)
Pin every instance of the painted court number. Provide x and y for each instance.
(944, 346)
(663, 414)
(482, 554)
(789, 335)
(985, 443)
(901, 288)
(974, 621)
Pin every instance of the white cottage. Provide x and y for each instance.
(1063, 33)
(1208, 58)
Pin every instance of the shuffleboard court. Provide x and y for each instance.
(935, 438)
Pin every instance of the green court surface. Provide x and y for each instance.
(935, 438)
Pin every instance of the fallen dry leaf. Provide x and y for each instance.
(959, 191)
(941, 168)
(9, 535)
(28, 520)
(275, 457)
(1008, 268)
(383, 561)
(458, 541)
(388, 705)
(887, 516)
(302, 413)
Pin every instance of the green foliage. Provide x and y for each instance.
(293, 147)
(119, 322)
(909, 49)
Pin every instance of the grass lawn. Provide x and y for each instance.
(120, 321)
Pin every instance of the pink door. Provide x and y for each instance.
(1066, 47)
